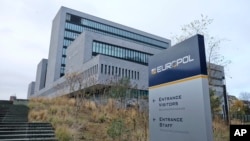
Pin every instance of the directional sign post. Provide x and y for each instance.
(179, 102)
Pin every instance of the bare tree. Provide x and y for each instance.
(237, 108)
(213, 55)
(75, 82)
(120, 89)
(212, 43)
(245, 96)
(81, 86)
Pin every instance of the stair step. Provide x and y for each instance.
(15, 117)
(25, 128)
(14, 125)
(14, 120)
(12, 115)
(31, 139)
(15, 136)
(29, 123)
(26, 132)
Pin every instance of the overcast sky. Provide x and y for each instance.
(25, 29)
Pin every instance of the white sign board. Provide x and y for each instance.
(179, 105)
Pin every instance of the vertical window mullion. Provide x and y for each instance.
(132, 74)
(107, 49)
(103, 48)
(110, 50)
(138, 75)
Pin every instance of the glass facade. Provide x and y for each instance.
(79, 24)
(113, 70)
(71, 35)
(67, 42)
(138, 93)
(120, 52)
(75, 25)
(123, 33)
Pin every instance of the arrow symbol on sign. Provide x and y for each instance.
(153, 100)
(153, 119)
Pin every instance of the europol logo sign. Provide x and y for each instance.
(153, 71)
(172, 64)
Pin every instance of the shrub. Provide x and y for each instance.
(116, 128)
(63, 134)
(102, 118)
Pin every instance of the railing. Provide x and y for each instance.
(242, 118)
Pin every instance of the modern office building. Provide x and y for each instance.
(31, 89)
(95, 48)
(100, 51)
(218, 85)
(41, 75)
(217, 79)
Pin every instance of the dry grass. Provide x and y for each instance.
(90, 122)
(220, 130)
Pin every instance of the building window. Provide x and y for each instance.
(70, 34)
(64, 51)
(112, 70)
(62, 69)
(68, 17)
(116, 32)
(101, 68)
(105, 70)
(118, 52)
(119, 73)
(75, 19)
(63, 60)
(74, 27)
(115, 70)
(108, 70)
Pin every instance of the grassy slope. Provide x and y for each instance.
(95, 123)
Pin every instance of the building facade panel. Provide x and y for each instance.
(31, 89)
(41, 75)
(56, 47)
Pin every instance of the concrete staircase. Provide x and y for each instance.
(14, 125)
